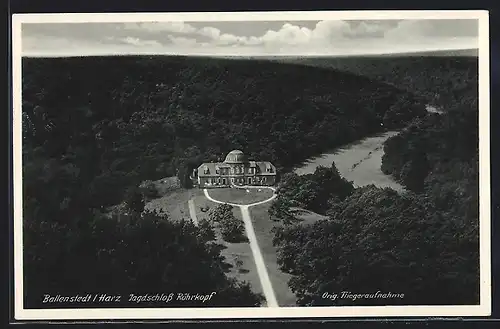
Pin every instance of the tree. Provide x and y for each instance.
(414, 172)
(131, 255)
(183, 173)
(220, 213)
(280, 210)
(206, 231)
(231, 228)
(394, 236)
(310, 191)
(400, 114)
(135, 200)
(332, 184)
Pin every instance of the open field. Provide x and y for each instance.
(241, 196)
(175, 203)
(262, 225)
(307, 216)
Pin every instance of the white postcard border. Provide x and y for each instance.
(483, 309)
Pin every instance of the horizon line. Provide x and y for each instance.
(402, 53)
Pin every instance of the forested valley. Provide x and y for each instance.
(443, 81)
(94, 128)
(423, 243)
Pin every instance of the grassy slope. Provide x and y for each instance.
(263, 225)
(240, 196)
(175, 203)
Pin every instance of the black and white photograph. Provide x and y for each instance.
(251, 165)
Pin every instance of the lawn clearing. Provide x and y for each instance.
(238, 255)
(241, 253)
(241, 196)
(306, 216)
(174, 203)
(164, 185)
(262, 225)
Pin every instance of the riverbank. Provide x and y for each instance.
(358, 162)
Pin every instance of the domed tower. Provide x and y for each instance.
(235, 157)
(236, 161)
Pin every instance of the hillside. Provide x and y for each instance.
(423, 242)
(441, 78)
(94, 128)
(136, 118)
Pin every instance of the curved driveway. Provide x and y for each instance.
(267, 287)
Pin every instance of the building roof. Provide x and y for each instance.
(235, 156)
(260, 165)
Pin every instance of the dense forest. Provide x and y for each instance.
(422, 243)
(94, 128)
(444, 81)
(155, 116)
(375, 240)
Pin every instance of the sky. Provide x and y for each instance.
(249, 38)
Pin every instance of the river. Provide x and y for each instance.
(433, 109)
(358, 162)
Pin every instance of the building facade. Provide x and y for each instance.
(236, 170)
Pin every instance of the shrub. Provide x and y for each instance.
(232, 230)
(205, 230)
(230, 227)
(134, 200)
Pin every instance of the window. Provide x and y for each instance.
(249, 181)
(205, 169)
